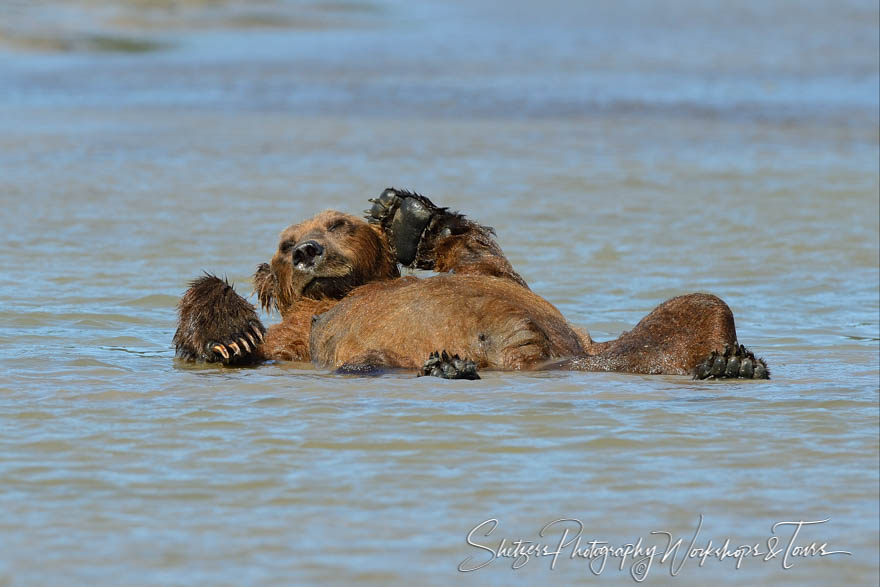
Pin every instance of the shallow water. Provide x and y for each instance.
(624, 153)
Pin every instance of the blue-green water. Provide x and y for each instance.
(625, 153)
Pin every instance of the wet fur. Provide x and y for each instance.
(211, 313)
(355, 253)
(353, 311)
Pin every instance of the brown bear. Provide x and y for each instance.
(335, 281)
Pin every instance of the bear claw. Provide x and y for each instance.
(222, 350)
(736, 362)
(239, 351)
(449, 367)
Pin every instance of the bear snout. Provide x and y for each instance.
(307, 254)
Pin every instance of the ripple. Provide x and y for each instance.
(617, 168)
(153, 301)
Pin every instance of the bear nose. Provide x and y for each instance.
(306, 253)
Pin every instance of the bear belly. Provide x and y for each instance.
(494, 322)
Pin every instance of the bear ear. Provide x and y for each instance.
(264, 287)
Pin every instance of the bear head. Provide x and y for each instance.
(324, 257)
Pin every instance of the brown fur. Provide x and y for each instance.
(352, 310)
(356, 253)
(672, 339)
(494, 322)
(464, 247)
(211, 313)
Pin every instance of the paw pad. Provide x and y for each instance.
(405, 216)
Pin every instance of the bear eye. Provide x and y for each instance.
(336, 224)
(285, 247)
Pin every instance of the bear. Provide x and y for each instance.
(336, 281)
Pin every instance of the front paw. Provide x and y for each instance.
(405, 217)
(240, 348)
(217, 325)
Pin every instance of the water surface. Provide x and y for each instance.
(624, 152)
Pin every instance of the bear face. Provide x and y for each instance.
(324, 257)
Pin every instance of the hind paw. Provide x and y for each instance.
(735, 362)
(449, 367)
(404, 216)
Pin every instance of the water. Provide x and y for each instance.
(624, 152)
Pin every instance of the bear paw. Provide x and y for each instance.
(734, 362)
(217, 325)
(404, 216)
(446, 367)
(238, 348)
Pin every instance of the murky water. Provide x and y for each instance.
(625, 153)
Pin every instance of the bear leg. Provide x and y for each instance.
(692, 334)
(427, 236)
